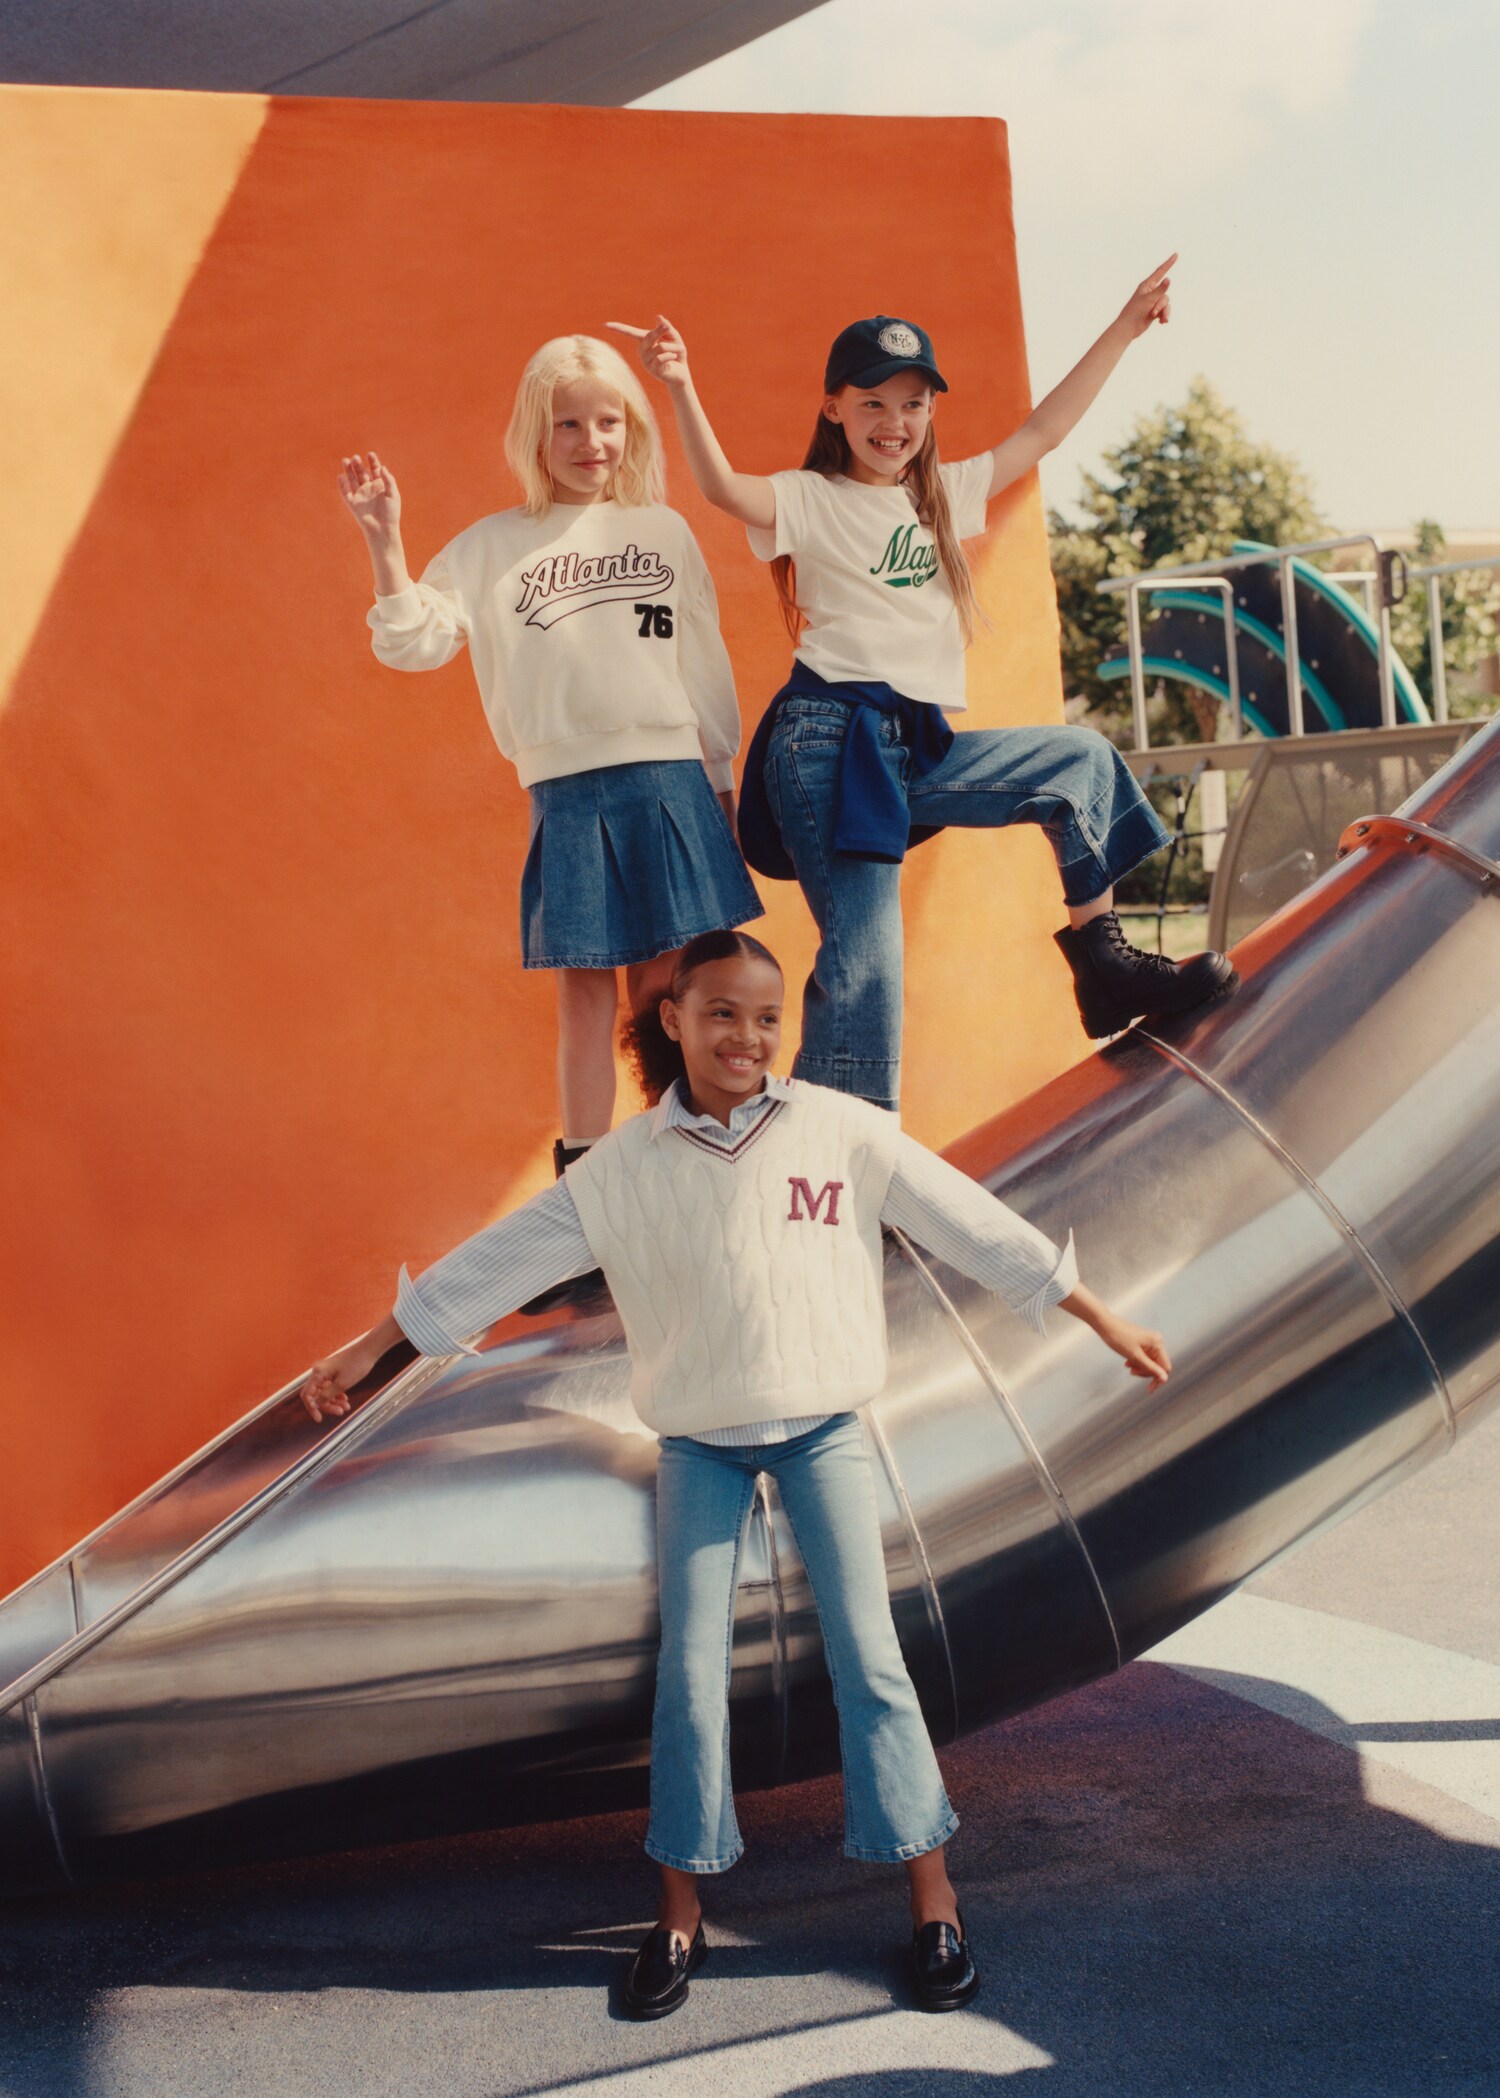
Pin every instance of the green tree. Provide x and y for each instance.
(1185, 484)
(1470, 607)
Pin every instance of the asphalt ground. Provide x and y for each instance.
(1267, 1864)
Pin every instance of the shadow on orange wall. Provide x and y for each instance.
(266, 1031)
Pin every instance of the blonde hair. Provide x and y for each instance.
(641, 475)
(829, 454)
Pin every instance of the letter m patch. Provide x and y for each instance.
(806, 1204)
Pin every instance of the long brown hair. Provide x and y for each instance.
(657, 1059)
(829, 454)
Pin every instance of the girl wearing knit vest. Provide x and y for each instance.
(592, 628)
(854, 760)
(739, 1226)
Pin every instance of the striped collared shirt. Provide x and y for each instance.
(542, 1243)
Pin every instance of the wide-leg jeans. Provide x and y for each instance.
(1071, 781)
(895, 1806)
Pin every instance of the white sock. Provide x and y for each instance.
(578, 1143)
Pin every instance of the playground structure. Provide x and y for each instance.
(266, 1040)
(439, 1614)
(1269, 636)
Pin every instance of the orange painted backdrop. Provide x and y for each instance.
(265, 1030)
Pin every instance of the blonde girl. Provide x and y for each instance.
(591, 623)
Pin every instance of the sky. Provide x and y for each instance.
(1328, 169)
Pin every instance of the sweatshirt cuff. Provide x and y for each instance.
(403, 609)
(1059, 1284)
(720, 774)
(419, 1325)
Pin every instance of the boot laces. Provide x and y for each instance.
(1157, 966)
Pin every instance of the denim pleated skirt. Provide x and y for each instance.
(628, 862)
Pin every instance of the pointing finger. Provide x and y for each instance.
(625, 328)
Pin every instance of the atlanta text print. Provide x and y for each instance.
(560, 584)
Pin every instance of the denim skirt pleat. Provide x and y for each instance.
(628, 862)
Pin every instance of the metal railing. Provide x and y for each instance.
(1366, 578)
(1188, 770)
(407, 1383)
(1387, 567)
(1152, 582)
(1432, 577)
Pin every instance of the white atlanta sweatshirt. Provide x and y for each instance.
(594, 635)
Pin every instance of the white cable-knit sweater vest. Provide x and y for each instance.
(748, 1277)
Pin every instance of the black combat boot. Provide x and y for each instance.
(580, 1289)
(1116, 983)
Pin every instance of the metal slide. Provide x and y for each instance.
(440, 1614)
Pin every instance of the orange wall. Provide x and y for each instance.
(266, 1034)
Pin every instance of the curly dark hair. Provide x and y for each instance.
(655, 1058)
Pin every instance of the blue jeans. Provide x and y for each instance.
(894, 1803)
(1071, 781)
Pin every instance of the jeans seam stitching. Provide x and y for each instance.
(747, 1494)
(827, 934)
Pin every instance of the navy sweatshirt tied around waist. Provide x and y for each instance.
(871, 818)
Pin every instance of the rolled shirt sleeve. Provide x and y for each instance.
(955, 1218)
(423, 626)
(789, 532)
(968, 484)
(510, 1261)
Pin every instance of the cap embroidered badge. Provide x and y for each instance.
(874, 350)
(900, 341)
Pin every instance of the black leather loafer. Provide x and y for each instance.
(660, 1973)
(943, 1972)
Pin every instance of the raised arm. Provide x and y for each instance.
(1063, 408)
(749, 497)
(413, 626)
(374, 502)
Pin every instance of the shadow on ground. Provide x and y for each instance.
(1170, 1890)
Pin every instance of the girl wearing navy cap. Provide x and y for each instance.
(854, 760)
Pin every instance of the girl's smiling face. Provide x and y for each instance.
(728, 1022)
(588, 441)
(885, 425)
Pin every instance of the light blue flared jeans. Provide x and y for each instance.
(895, 1806)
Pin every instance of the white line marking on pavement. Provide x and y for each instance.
(787, 2062)
(1424, 1710)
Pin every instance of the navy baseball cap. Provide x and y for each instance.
(873, 350)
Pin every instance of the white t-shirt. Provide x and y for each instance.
(878, 605)
(593, 632)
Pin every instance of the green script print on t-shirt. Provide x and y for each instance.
(908, 562)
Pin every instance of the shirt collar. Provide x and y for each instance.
(672, 1111)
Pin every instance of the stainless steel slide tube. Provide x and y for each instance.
(443, 1617)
